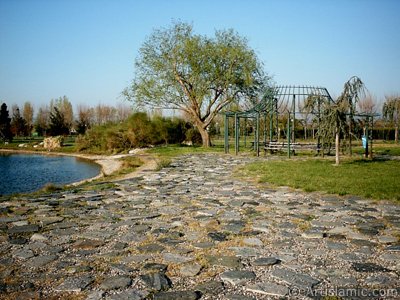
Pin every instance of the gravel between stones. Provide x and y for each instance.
(195, 231)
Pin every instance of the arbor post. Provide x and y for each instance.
(226, 133)
(236, 134)
(257, 134)
(288, 135)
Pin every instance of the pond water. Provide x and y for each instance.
(22, 173)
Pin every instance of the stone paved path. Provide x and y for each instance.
(193, 231)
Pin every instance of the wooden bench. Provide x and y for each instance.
(275, 146)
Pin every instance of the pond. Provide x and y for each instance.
(23, 173)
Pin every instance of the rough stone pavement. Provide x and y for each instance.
(195, 231)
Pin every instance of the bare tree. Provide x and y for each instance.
(391, 113)
(104, 114)
(85, 118)
(123, 111)
(42, 120)
(27, 114)
(367, 104)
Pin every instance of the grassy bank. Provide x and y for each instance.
(172, 151)
(378, 179)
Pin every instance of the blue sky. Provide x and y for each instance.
(85, 49)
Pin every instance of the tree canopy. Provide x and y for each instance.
(196, 74)
(18, 123)
(58, 125)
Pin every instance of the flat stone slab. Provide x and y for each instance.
(387, 239)
(116, 282)
(237, 277)
(190, 270)
(299, 280)
(268, 288)
(225, 261)
(88, 244)
(239, 297)
(393, 248)
(266, 261)
(50, 220)
(24, 254)
(179, 295)
(40, 261)
(218, 236)
(156, 281)
(155, 267)
(38, 237)
(130, 294)
(75, 284)
(203, 245)
(368, 267)
(32, 228)
(151, 248)
(253, 242)
(245, 251)
(176, 258)
(210, 288)
(313, 234)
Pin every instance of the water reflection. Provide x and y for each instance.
(20, 173)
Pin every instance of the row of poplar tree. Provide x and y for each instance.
(57, 118)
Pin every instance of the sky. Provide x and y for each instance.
(85, 49)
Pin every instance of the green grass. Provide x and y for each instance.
(389, 148)
(163, 163)
(171, 151)
(30, 142)
(129, 164)
(378, 179)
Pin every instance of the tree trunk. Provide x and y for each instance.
(350, 139)
(205, 136)
(396, 134)
(337, 144)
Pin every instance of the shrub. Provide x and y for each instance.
(193, 135)
(137, 131)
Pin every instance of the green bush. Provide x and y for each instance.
(193, 135)
(137, 131)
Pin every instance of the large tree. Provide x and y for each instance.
(199, 75)
(58, 125)
(18, 123)
(64, 108)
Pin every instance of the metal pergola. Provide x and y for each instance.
(279, 100)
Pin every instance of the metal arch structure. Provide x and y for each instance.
(277, 101)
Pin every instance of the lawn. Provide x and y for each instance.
(377, 179)
(382, 149)
(171, 151)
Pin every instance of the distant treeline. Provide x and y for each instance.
(57, 118)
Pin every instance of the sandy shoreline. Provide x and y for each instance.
(109, 163)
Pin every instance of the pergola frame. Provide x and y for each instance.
(368, 129)
(279, 100)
